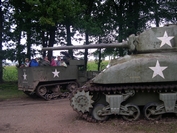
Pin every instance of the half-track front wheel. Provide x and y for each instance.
(149, 112)
(96, 113)
(133, 112)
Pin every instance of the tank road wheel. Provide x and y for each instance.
(149, 112)
(133, 112)
(41, 91)
(82, 101)
(96, 113)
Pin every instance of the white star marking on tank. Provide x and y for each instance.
(158, 70)
(56, 73)
(165, 39)
(24, 76)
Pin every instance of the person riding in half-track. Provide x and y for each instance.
(145, 79)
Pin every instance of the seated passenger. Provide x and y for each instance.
(27, 62)
(58, 61)
(53, 62)
(66, 57)
(33, 63)
(22, 65)
(62, 63)
(44, 62)
(46, 59)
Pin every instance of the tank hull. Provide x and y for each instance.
(140, 68)
(131, 82)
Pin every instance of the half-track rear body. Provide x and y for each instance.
(50, 82)
(147, 78)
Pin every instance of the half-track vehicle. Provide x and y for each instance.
(147, 79)
(51, 82)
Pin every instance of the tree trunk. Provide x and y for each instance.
(156, 13)
(99, 59)
(69, 39)
(18, 47)
(51, 41)
(1, 30)
(44, 43)
(86, 51)
(29, 44)
(119, 11)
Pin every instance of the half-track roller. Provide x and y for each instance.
(147, 79)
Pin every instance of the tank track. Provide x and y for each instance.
(115, 89)
(53, 95)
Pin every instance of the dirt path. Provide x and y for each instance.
(38, 116)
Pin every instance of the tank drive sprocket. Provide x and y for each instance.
(82, 101)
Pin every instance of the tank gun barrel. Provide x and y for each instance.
(90, 46)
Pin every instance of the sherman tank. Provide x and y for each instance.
(145, 79)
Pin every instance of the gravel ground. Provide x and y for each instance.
(28, 115)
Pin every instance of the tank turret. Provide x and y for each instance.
(146, 79)
(151, 40)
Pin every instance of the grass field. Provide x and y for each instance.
(10, 73)
(9, 89)
(93, 66)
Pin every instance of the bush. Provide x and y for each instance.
(10, 73)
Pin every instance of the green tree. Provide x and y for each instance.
(90, 23)
(1, 32)
(48, 22)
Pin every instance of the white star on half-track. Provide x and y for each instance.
(82, 101)
(56, 73)
(24, 76)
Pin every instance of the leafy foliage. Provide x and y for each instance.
(48, 22)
